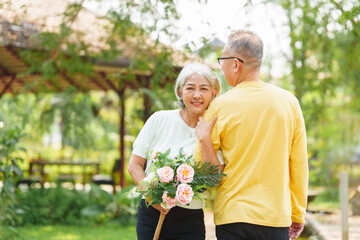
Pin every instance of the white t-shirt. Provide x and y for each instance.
(164, 130)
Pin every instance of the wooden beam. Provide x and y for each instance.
(73, 83)
(57, 88)
(15, 55)
(23, 84)
(4, 70)
(2, 78)
(8, 85)
(111, 84)
(97, 83)
(19, 80)
(47, 82)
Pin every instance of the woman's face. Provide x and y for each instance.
(197, 94)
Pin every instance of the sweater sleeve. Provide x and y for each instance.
(298, 164)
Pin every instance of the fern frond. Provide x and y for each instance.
(207, 174)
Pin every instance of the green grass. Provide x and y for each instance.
(324, 206)
(327, 200)
(61, 232)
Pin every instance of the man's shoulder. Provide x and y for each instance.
(224, 97)
(281, 91)
(276, 88)
(216, 102)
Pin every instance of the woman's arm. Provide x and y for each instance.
(135, 168)
(203, 132)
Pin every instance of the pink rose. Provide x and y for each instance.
(166, 174)
(185, 173)
(184, 193)
(169, 202)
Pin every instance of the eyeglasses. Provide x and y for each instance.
(220, 59)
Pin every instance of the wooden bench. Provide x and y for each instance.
(69, 175)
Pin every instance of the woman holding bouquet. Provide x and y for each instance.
(195, 87)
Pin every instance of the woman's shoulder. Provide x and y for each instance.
(165, 114)
(162, 119)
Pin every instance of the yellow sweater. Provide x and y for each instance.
(261, 132)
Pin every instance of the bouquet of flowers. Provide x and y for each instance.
(177, 179)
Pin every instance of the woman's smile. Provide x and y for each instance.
(197, 104)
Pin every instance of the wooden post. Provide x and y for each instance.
(344, 203)
(122, 136)
(147, 101)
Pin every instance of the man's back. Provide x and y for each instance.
(261, 132)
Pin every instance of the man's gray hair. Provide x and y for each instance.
(190, 70)
(247, 45)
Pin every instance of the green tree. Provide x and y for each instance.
(134, 29)
(325, 78)
(11, 132)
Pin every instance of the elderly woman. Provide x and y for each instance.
(195, 87)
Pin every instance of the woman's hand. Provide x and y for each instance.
(203, 132)
(204, 128)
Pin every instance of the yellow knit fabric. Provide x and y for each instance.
(261, 132)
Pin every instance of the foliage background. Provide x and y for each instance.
(324, 74)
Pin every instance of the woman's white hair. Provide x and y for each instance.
(188, 71)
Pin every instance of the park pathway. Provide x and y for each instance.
(209, 225)
(328, 226)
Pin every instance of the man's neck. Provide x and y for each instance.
(253, 76)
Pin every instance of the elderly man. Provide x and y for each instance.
(261, 132)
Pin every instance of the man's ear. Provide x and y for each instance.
(237, 66)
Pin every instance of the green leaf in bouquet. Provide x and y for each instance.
(170, 188)
(156, 200)
(199, 188)
(156, 165)
(207, 174)
(197, 195)
(181, 152)
(165, 154)
(155, 194)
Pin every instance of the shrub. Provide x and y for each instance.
(46, 206)
(9, 171)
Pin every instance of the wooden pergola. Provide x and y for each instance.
(15, 37)
(11, 66)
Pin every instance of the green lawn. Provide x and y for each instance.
(109, 231)
(61, 232)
